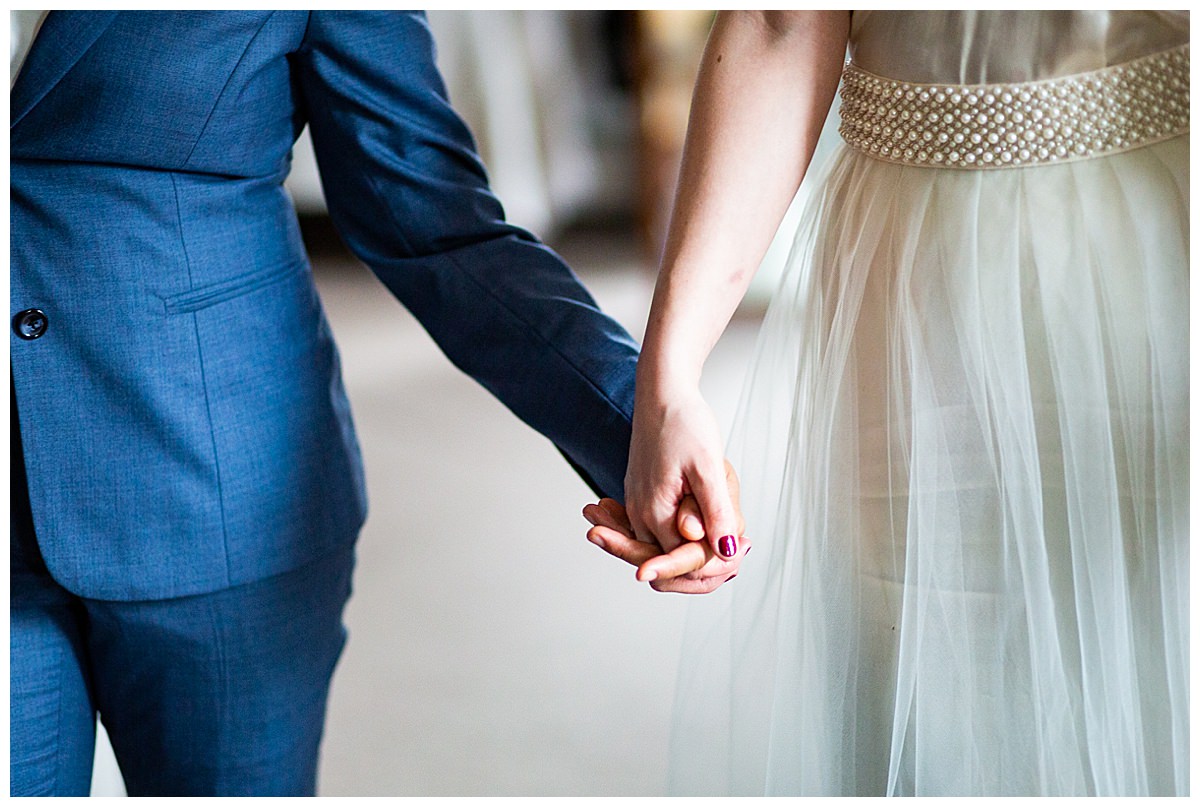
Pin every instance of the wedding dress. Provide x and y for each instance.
(963, 439)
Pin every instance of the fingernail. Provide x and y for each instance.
(727, 579)
(649, 577)
(597, 540)
(727, 546)
(693, 525)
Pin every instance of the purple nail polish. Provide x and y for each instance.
(727, 546)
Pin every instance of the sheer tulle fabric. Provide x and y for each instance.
(963, 447)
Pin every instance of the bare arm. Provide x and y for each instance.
(765, 86)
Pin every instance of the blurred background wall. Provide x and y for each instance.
(492, 650)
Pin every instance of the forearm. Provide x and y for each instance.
(764, 89)
(409, 196)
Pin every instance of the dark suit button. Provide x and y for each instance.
(30, 323)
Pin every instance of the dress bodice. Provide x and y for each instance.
(987, 47)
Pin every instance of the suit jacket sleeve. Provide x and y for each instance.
(409, 195)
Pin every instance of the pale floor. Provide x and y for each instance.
(493, 650)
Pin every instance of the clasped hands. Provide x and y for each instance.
(689, 567)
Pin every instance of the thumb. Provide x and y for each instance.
(689, 521)
(717, 510)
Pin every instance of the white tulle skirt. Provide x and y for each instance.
(963, 445)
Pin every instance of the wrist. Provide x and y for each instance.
(662, 379)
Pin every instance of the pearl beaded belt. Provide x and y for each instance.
(1029, 123)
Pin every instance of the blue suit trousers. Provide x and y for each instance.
(213, 694)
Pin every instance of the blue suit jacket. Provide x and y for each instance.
(184, 423)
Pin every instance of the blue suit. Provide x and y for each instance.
(184, 426)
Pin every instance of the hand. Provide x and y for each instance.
(676, 453)
(690, 568)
